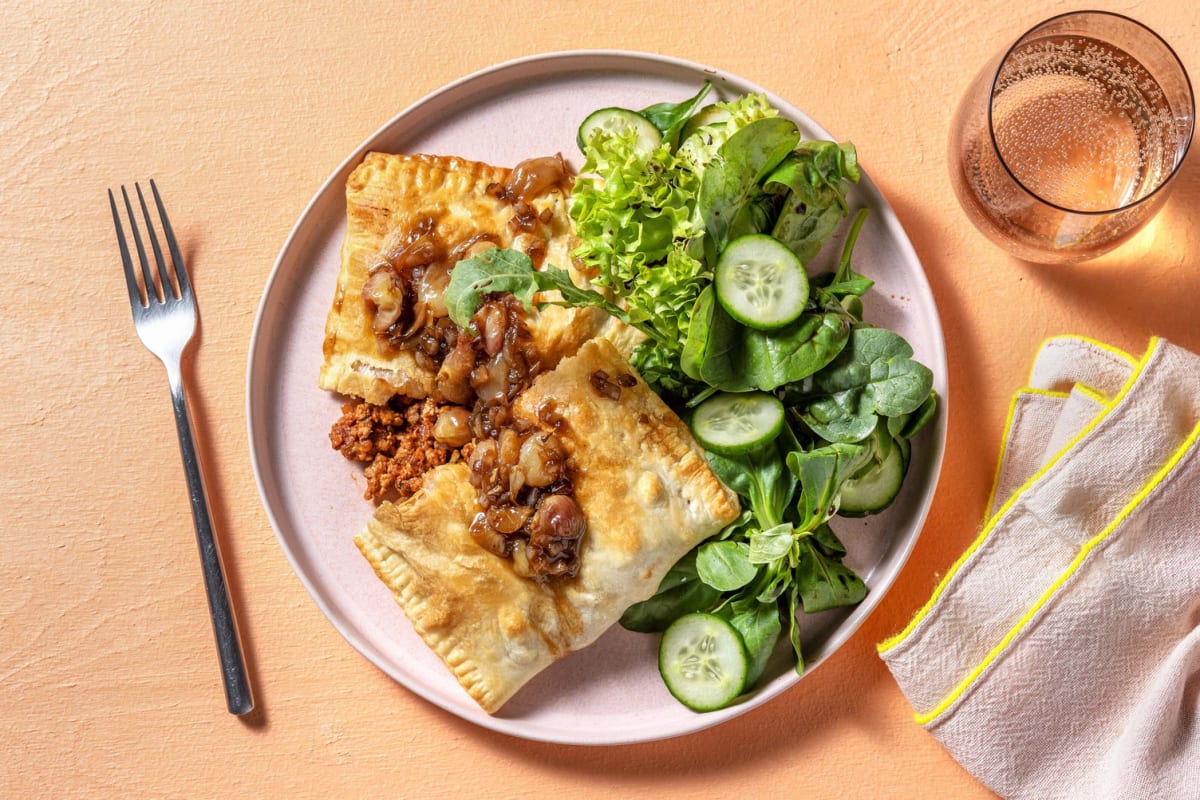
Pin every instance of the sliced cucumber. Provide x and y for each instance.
(703, 661)
(729, 423)
(617, 121)
(761, 282)
(875, 490)
(709, 115)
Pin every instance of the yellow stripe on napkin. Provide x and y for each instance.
(895, 640)
(1091, 544)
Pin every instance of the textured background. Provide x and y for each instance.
(109, 680)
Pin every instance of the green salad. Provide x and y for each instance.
(700, 223)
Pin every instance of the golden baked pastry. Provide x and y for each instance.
(390, 196)
(639, 478)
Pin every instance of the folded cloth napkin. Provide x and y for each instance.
(1060, 655)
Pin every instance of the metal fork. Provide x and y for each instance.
(164, 314)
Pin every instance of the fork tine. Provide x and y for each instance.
(181, 273)
(152, 295)
(168, 290)
(135, 294)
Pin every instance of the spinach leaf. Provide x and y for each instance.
(760, 475)
(818, 171)
(710, 350)
(817, 175)
(847, 285)
(725, 565)
(824, 538)
(696, 340)
(804, 228)
(906, 426)
(735, 358)
(670, 118)
(873, 375)
(842, 417)
(731, 198)
(681, 592)
(794, 625)
(769, 359)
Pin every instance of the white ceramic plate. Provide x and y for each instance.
(611, 692)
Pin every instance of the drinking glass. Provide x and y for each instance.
(1065, 144)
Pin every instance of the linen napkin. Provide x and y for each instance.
(1060, 656)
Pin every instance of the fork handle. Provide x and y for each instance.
(233, 665)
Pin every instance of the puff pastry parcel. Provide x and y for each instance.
(640, 479)
(387, 195)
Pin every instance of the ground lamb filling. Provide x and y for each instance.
(519, 469)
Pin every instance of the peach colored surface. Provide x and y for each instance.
(240, 111)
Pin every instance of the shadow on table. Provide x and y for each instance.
(1148, 286)
(210, 463)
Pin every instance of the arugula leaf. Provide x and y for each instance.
(552, 278)
(494, 270)
(502, 270)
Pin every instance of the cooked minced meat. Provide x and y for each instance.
(397, 441)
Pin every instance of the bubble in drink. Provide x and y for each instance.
(1081, 124)
(1053, 151)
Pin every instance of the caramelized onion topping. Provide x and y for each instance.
(554, 535)
(385, 295)
(534, 177)
(519, 469)
(453, 427)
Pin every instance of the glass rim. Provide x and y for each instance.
(1182, 154)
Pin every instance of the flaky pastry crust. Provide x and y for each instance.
(388, 194)
(641, 481)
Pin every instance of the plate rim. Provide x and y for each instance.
(628, 59)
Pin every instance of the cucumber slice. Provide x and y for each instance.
(709, 115)
(875, 490)
(729, 423)
(761, 282)
(703, 661)
(617, 120)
